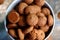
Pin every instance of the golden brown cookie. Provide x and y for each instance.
(21, 7)
(32, 19)
(37, 8)
(12, 32)
(13, 17)
(40, 35)
(46, 11)
(1, 1)
(33, 34)
(21, 21)
(42, 21)
(28, 30)
(50, 20)
(20, 34)
(45, 28)
(40, 2)
(32, 9)
(28, 1)
(12, 26)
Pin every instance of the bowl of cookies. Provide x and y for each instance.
(30, 20)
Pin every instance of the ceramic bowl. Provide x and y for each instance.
(14, 3)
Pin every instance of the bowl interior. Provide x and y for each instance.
(46, 5)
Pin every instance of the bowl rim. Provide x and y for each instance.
(54, 20)
(49, 8)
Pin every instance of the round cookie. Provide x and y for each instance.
(50, 20)
(46, 11)
(39, 2)
(32, 19)
(33, 34)
(42, 21)
(45, 28)
(32, 9)
(40, 35)
(28, 1)
(21, 7)
(13, 17)
(37, 8)
(12, 26)
(21, 21)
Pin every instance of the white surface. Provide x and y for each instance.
(56, 6)
(3, 8)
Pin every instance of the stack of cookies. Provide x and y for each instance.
(29, 20)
